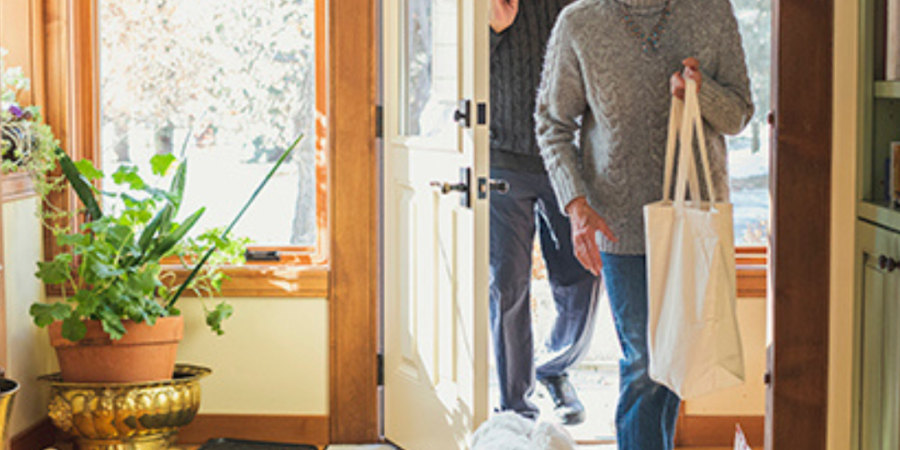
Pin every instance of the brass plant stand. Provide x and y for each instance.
(139, 416)
(8, 389)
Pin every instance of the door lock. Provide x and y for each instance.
(485, 185)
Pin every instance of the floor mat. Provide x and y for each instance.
(237, 444)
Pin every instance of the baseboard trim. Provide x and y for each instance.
(312, 430)
(718, 431)
(36, 437)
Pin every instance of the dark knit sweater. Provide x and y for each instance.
(517, 56)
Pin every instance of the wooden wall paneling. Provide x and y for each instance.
(57, 34)
(797, 393)
(354, 309)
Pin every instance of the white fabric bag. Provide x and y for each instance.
(693, 337)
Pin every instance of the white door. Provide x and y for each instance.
(436, 81)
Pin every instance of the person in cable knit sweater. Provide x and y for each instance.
(601, 120)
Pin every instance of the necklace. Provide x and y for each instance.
(649, 41)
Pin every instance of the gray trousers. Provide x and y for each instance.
(530, 207)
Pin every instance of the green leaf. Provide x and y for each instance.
(57, 271)
(81, 187)
(86, 167)
(129, 175)
(150, 230)
(173, 238)
(112, 324)
(161, 163)
(74, 240)
(176, 191)
(73, 328)
(45, 314)
(218, 315)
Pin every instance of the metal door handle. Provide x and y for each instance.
(462, 187)
(447, 188)
(463, 115)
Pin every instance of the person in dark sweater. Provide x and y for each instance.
(520, 30)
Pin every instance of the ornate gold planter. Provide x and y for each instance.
(138, 416)
(8, 389)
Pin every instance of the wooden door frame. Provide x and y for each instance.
(801, 190)
(800, 182)
(355, 223)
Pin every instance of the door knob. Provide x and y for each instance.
(500, 186)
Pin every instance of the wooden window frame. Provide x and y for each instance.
(73, 36)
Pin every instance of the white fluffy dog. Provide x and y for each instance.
(510, 431)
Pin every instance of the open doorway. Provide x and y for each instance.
(797, 405)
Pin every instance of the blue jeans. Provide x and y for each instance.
(647, 411)
(530, 206)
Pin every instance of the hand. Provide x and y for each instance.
(503, 14)
(691, 71)
(585, 225)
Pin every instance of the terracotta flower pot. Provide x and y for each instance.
(145, 353)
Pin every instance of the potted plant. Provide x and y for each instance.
(27, 144)
(118, 321)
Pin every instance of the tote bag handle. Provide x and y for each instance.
(692, 122)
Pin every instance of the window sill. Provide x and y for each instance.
(261, 281)
(752, 273)
(17, 186)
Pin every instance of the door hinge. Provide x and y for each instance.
(379, 122)
(380, 369)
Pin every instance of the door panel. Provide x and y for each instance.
(435, 224)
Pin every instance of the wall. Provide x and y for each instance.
(843, 207)
(29, 353)
(29, 349)
(272, 359)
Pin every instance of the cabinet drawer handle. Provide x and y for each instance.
(888, 264)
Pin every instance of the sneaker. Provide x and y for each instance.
(568, 408)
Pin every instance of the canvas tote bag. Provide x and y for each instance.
(693, 337)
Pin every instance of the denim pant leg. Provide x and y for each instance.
(575, 291)
(511, 242)
(647, 411)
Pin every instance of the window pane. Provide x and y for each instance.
(235, 81)
(431, 67)
(748, 156)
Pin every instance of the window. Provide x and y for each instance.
(748, 153)
(228, 84)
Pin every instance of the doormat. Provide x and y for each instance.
(237, 444)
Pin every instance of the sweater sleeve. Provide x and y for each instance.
(561, 101)
(725, 98)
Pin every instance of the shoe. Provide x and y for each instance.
(569, 409)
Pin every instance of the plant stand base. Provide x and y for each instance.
(161, 441)
(119, 416)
